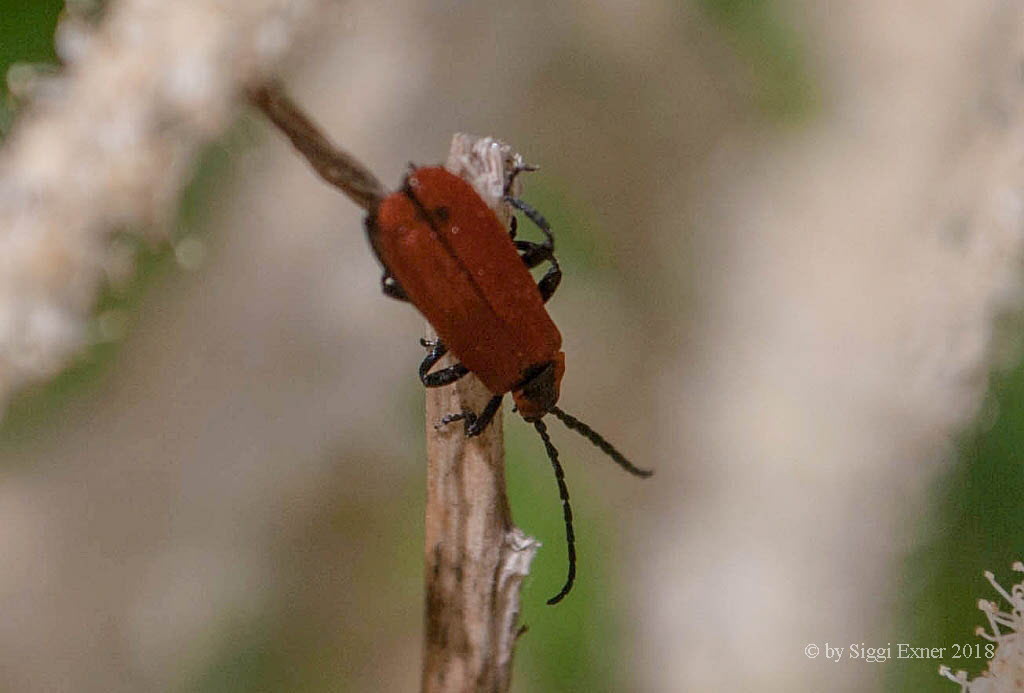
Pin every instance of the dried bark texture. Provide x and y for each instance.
(110, 148)
(475, 558)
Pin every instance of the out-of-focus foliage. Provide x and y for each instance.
(26, 35)
(772, 51)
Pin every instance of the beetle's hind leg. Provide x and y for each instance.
(445, 376)
(475, 423)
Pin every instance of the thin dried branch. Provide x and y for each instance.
(476, 558)
(111, 147)
(336, 166)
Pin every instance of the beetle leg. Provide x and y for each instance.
(532, 255)
(392, 288)
(437, 350)
(550, 281)
(536, 217)
(535, 253)
(513, 226)
(475, 424)
(484, 419)
(445, 376)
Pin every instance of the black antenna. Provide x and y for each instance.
(563, 493)
(606, 447)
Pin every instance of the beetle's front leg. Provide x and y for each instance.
(475, 424)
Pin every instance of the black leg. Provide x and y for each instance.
(535, 253)
(445, 376)
(532, 254)
(536, 217)
(392, 289)
(475, 424)
(436, 349)
(548, 284)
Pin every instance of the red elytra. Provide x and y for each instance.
(457, 264)
(445, 251)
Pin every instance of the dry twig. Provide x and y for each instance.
(476, 558)
(334, 165)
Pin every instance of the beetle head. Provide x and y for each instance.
(539, 390)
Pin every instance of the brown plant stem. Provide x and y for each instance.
(476, 558)
(334, 165)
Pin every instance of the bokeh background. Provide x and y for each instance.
(792, 241)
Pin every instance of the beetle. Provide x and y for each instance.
(444, 250)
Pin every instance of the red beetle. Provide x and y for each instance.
(445, 251)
